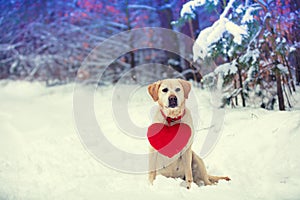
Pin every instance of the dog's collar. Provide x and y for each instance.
(169, 119)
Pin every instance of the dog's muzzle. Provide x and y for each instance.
(173, 101)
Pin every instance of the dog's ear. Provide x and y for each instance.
(186, 87)
(153, 90)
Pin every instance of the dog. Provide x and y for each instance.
(171, 95)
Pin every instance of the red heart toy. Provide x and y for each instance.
(169, 140)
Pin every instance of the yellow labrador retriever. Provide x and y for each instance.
(171, 94)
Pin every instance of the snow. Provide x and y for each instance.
(250, 54)
(236, 31)
(227, 8)
(42, 157)
(278, 39)
(239, 9)
(210, 35)
(250, 73)
(292, 48)
(189, 8)
(214, 33)
(227, 68)
(282, 68)
(248, 17)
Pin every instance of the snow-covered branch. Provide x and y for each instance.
(226, 10)
(134, 6)
(188, 9)
(213, 34)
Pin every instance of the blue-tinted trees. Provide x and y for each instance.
(253, 40)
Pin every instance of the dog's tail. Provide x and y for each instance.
(215, 179)
(200, 173)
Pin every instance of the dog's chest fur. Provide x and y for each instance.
(174, 167)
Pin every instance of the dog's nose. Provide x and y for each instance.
(172, 101)
(172, 98)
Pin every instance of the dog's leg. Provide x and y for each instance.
(152, 165)
(200, 173)
(199, 169)
(187, 160)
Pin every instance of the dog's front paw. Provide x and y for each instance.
(189, 184)
(151, 180)
(151, 177)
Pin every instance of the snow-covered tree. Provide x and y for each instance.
(249, 42)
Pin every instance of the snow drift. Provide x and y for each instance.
(42, 157)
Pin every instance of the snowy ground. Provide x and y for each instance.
(42, 157)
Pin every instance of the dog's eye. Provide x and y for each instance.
(177, 89)
(165, 90)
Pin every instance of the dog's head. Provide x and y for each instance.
(170, 95)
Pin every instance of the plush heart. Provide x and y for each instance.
(169, 140)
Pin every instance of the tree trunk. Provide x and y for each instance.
(168, 41)
(289, 76)
(131, 40)
(279, 91)
(241, 86)
(132, 65)
(287, 97)
(297, 67)
(235, 87)
(190, 27)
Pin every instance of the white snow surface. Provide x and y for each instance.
(42, 157)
